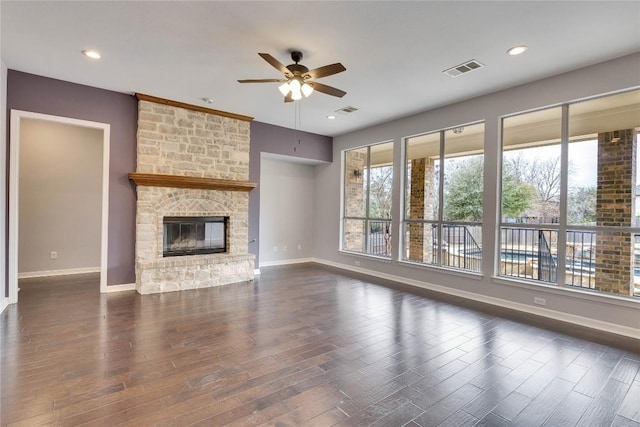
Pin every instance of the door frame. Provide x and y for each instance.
(14, 177)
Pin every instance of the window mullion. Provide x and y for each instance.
(564, 177)
(367, 222)
(440, 198)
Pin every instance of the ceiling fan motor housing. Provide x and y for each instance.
(296, 55)
(297, 69)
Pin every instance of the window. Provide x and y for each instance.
(594, 228)
(530, 196)
(443, 198)
(368, 179)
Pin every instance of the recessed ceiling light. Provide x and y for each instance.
(91, 54)
(207, 100)
(517, 50)
(331, 117)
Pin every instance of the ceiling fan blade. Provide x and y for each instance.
(275, 63)
(327, 70)
(327, 89)
(288, 98)
(262, 81)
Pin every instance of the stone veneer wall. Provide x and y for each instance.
(615, 200)
(176, 141)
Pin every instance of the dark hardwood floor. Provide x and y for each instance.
(300, 346)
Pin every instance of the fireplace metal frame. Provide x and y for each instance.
(196, 219)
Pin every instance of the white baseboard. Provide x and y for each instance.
(119, 288)
(50, 273)
(544, 312)
(4, 303)
(286, 262)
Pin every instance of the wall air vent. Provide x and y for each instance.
(347, 110)
(464, 68)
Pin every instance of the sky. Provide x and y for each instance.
(583, 160)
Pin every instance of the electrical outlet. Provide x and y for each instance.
(54, 255)
(285, 248)
(356, 262)
(539, 301)
(299, 247)
(275, 249)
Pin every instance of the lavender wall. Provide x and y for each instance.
(38, 94)
(272, 139)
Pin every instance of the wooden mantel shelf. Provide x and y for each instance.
(177, 181)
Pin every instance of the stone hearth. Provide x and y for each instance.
(178, 142)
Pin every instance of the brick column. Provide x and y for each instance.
(421, 206)
(354, 184)
(416, 211)
(615, 207)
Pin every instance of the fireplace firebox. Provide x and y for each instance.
(194, 235)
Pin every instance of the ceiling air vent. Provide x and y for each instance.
(347, 110)
(464, 68)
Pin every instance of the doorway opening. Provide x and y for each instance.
(58, 198)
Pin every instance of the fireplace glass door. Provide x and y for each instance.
(194, 235)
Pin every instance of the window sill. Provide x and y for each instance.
(443, 270)
(624, 301)
(366, 256)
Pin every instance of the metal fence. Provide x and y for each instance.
(532, 253)
(581, 259)
(379, 235)
(459, 247)
(528, 253)
(547, 266)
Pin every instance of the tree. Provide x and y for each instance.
(517, 196)
(464, 189)
(380, 188)
(581, 205)
(380, 199)
(542, 174)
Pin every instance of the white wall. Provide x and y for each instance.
(60, 197)
(3, 181)
(287, 211)
(598, 311)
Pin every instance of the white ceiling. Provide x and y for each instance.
(394, 51)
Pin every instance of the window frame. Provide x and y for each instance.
(367, 219)
(439, 222)
(562, 227)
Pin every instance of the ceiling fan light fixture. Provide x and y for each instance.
(284, 88)
(295, 85)
(296, 95)
(307, 89)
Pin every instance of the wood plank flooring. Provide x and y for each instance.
(300, 346)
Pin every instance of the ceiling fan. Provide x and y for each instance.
(299, 80)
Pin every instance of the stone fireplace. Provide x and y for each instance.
(190, 164)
